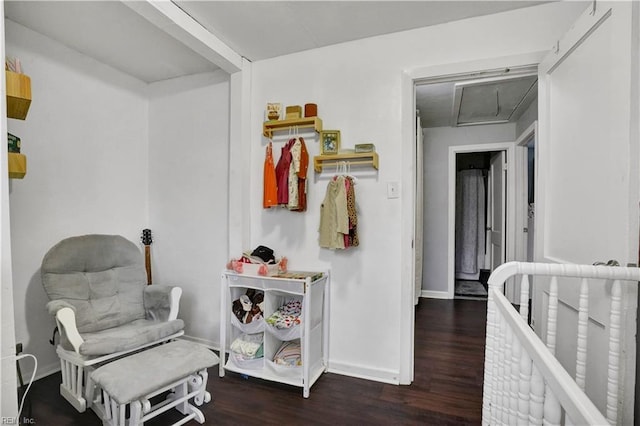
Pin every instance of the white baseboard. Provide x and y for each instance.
(358, 371)
(204, 342)
(430, 294)
(361, 372)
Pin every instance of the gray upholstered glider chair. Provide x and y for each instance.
(103, 307)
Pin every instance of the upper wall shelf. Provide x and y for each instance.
(268, 127)
(353, 159)
(18, 95)
(17, 165)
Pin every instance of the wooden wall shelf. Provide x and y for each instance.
(17, 165)
(18, 95)
(268, 127)
(352, 159)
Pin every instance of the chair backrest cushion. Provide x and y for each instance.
(102, 276)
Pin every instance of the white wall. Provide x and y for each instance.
(85, 139)
(527, 117)
(358, 89)
(436, 188)
(188, 168)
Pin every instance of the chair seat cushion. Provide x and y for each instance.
(136, 376)
(128, 336)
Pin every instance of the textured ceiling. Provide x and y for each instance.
(114, 34)
(265, 29)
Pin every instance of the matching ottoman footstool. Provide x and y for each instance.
(178, 366)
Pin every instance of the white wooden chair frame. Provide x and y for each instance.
(193, 386)
(76, 386)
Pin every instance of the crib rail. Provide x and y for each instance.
(523, 381)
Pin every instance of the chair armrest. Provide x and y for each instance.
(66, 318)
(162, 302)
(55, 305)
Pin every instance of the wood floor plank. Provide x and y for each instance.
(447, 390)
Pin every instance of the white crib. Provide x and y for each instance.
(523, 381)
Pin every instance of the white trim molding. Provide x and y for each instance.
(509, 148)
(409, 77)
(367, 373)
(432, 294)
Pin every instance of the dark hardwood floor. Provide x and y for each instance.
(447, 390)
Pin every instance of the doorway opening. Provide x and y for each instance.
(483, 109)
(436, 229)
(480, 213)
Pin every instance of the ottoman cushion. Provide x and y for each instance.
(133, 377)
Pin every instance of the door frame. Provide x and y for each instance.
(523, 190)
(409, 78)
(510, 214)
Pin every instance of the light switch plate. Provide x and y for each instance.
(393, 190)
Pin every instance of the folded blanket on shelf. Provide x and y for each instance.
(248, 345)
(289, 354)
(287, 315)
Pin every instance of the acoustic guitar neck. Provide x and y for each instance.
(146, 240)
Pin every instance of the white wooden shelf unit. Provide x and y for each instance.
(313, 331)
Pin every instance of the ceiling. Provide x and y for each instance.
(265, 29)
(494, 100)
(114, 34)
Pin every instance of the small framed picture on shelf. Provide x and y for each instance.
(329, 142)
(273, 111)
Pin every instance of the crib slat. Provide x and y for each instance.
(536, 397)
(495, 368)
(614, 352)
(524, 388)
(489, 377)
(583, 324)
(524, 298)
(552, 409)
(516, 349)
(506, 389)
(500, 373)
(552, 319)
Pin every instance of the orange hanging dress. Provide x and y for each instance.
(270, 191)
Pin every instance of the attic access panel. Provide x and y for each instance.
(492, 101)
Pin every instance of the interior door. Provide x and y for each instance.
(419, 218)
(497, 208)
(587, 203)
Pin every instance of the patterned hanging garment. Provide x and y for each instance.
(352, 239)
(302, 177)
(282, 173)
(270, 193)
